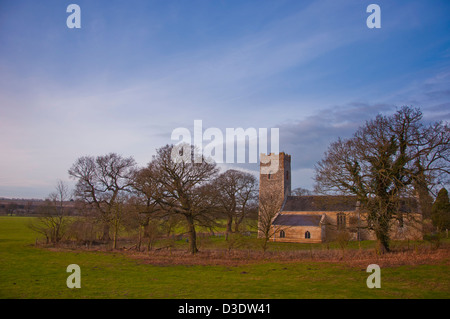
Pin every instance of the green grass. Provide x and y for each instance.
(253, 243)
(30, 272)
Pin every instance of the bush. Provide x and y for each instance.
(434, 239)
(83, 230)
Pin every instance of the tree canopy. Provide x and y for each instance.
(389, 159)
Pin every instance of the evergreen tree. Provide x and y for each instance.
(440, 212)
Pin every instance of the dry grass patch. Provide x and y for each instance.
(352, 258)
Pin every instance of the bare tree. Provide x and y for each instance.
(29, 209)
(147, 208)
(103, 182)
(53, 221)
(269, 207)
(11, 208)
(236, 191)
(383, 164)
(183, 179)
(343, 238)
(299, 191)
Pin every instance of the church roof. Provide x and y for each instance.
(337, 204)
(297, 220)
(319, 203)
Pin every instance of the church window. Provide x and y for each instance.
(341, 221)
(268, 176)
(282, 234)
(307, 234)
(287, 175)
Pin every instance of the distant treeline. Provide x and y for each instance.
(29, 207)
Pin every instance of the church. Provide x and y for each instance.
(318, 219)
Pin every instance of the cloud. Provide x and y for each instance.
(86, 93)
(307, 139)
(429, 92)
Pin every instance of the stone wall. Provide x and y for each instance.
(410, 228)
(297, 234)
(274, 178)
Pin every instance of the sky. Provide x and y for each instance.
(138, 69)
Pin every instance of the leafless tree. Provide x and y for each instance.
(183, 179)
(53, 221)
(299, 191)
(384, 163)
(236, 191)
(148, 210)
(29, 209)
(104, 182)
(343, 238)
(11, 208)
(269, 207)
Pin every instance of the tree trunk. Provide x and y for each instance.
(382, 246)
(138, 246)
(236, 227)
(192, 235)
(237, 222)
(116, 230)
(105, 235)
(265, 242)
(383, 240)
(229, 224)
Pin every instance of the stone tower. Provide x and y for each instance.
(275, 176)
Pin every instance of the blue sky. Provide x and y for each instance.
(136, 70)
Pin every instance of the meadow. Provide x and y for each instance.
(30, 272)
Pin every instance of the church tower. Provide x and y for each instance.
(274, 178)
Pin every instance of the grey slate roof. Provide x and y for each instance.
(297, 220)
(319, 203)
(336, 204)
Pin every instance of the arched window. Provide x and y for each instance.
(340, 221)
(268, 176)
(282, 234)
(307, 234)
(287, 175)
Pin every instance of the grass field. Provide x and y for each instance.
(30, 272)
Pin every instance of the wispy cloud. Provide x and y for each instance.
(136, 71)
